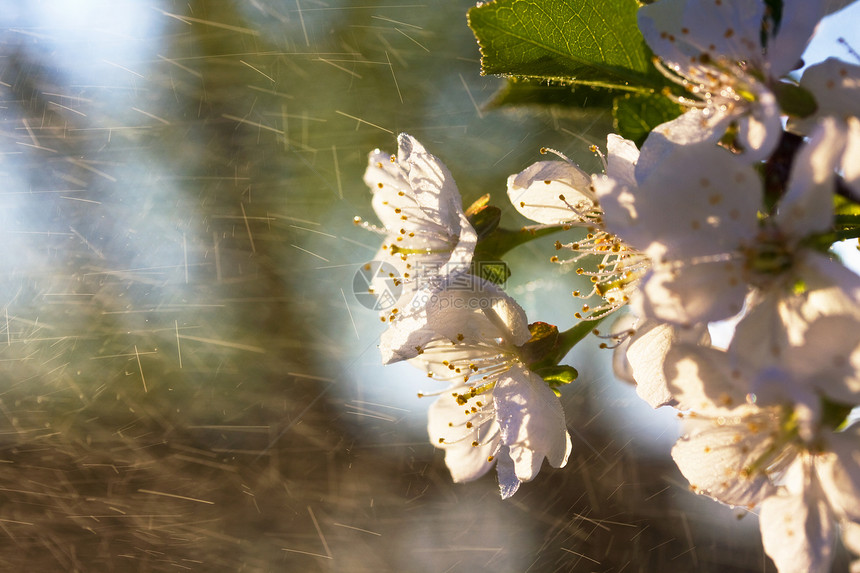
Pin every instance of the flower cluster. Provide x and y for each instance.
(461, 329)
(726, 212)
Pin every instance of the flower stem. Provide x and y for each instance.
(567, 340)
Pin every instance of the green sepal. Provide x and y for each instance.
(844, 206)
(557, 376)
(483, 217)
(794, 100)
(833, 414)
(847, 221)
(822, 242)
(543, 341)
(566, 341)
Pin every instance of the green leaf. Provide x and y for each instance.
(573, 99)
(593, 42)
(794, 100)
(637, 114)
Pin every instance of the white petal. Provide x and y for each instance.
(660, 24)
(475, 310)
(697, 200)
(836, 87)
(799, 20)
(531, 421)
(850, 165)
(798, 531)
(727, 29)
(466, 309)
(646, 354)
(704, 381)
(621, 157)
(807, 206)
(551, 192)
(821, 272)
(678, 29)
(830, 358)
(621, 366)
(762, 336)
(691, 127)
(851, 540)
(509, 483)
(718, 458)
(760, 129)
(694, 293)
(840, 473)
(446, 425)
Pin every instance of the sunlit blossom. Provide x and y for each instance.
(560, 193)
(697, 211)
(494, 409)
(427, 234)
(759, 433)
(727, 55)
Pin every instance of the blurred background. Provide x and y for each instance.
(187, 382)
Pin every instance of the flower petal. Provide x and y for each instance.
(552, 192)
(703, 380)
(697, 200)
(466, 308)
(786, 46)
(850, 166)
(830, 358)
(531, 421)
(694, 293)
(621, 158)
(509, 483)
(840, 473)
(718, 458)
(677, 29)
(798, 531)
(807, 206)
(760, 129)
(453, 429)
(836, 87)
(645, 353)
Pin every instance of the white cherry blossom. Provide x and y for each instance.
(768, 435)
(696, 211)
(494, 410)
(427, 233)
(714, 49)
(836, 87)
(560, 193)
